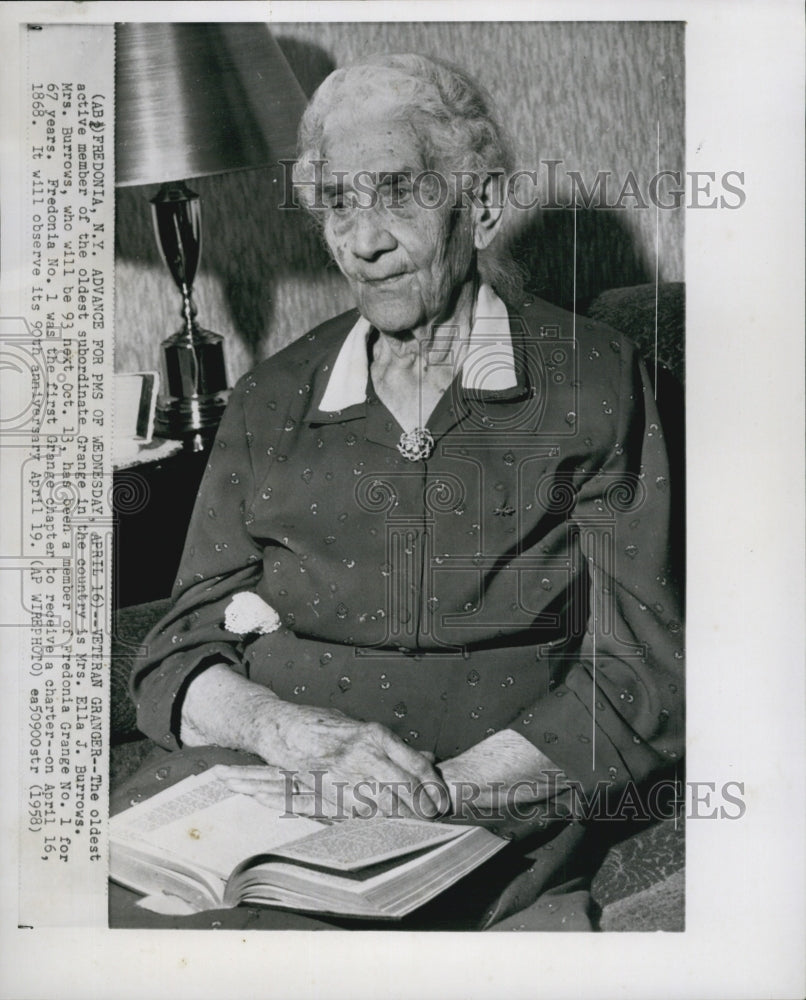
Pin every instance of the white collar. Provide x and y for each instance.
(489, 365)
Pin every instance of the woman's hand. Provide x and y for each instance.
(348, 768)
(502, 771)
(361, 768)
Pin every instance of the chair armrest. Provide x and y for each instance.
(131, 625)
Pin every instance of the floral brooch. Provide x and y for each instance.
(416, 445)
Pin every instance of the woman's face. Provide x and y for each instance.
(400, 243)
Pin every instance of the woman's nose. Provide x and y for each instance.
(369, 237)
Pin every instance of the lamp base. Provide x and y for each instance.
(190, 418)
(195, 384)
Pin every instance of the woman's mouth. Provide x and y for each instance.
(386, 280)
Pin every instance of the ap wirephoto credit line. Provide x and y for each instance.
(56, 444)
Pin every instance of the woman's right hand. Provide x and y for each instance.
(352, 768)
(362, 768)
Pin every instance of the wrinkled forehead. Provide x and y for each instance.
(375, 137)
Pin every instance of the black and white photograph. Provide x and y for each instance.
(391, 442)
(434, 568)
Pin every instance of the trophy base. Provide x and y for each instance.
(190, 418)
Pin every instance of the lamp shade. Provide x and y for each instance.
(194, 99)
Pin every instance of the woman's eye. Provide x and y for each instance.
(396, 195)
(336, 201)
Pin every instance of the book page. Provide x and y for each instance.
(359, 843)
(202, 822)
(391, 889)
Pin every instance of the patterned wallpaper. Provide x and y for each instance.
(594, 95)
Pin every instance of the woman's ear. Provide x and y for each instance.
(488, 209)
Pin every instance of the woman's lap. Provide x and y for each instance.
(539, 884)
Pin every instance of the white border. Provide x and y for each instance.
(745, 879)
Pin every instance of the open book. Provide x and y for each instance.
(212, 847)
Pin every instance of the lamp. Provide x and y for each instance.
(192, 100)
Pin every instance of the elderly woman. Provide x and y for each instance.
(454, 500)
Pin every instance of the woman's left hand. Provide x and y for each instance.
(505, 769)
